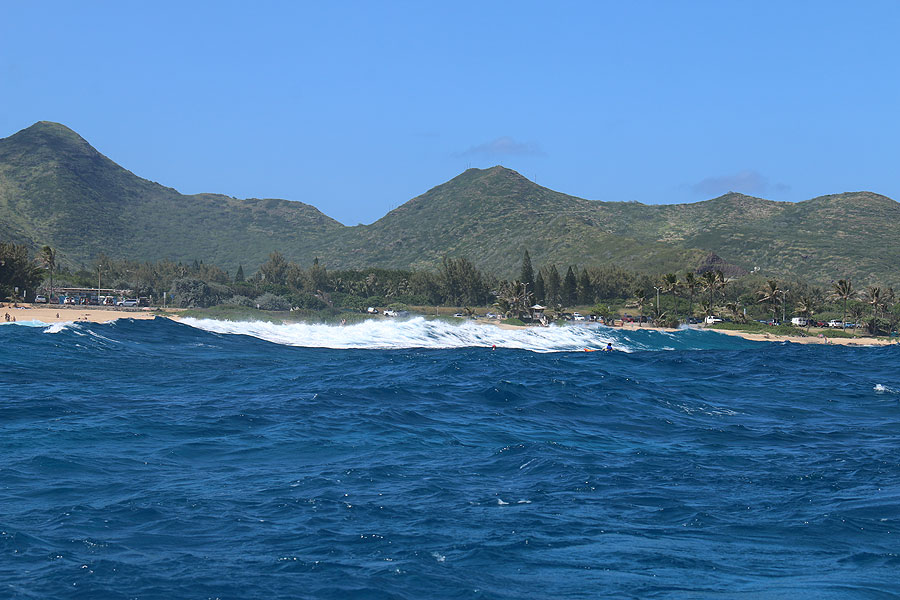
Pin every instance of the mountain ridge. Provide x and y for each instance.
(56, 189)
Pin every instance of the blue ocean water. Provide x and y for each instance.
(154, 459)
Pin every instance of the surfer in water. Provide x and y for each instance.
(608, 348)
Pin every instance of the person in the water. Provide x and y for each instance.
(609, 347)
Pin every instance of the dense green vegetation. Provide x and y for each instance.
(317, 293)
(18, 272)
(56, 190)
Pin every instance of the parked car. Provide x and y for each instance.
(711, 319)
(39, 299)
(372, 310)
(460, 316)
(390, 313)
(578, 316)
(128, 302)
(835, 323)
(799, 321)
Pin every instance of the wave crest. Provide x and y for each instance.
(385, 334)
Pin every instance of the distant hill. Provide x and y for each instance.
(56, 189)
(492, 216)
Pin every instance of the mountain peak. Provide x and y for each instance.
(49, 129)
(47, 136)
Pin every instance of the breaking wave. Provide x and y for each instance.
(384, 334)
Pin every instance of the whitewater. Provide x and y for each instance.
(424, 459)
(419, 332)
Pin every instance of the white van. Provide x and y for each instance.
(799, 321)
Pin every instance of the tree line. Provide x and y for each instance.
(280, 284)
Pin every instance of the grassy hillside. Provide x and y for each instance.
(491, 216)
(56, 189)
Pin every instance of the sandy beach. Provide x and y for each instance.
(67, 314)
(758, 337)
(795, 339)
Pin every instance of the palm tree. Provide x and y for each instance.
(641, 295)
(48, 259)
(710, 283)
(769, 293)
(857, 312)
(720, 282)
(806, 306)
(873, 297)
(735, 311)
(691, 283)
(513, 298)
(670, 284)
(843, 290)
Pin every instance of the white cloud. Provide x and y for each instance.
(746, 182)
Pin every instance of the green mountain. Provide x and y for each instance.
(56, 189)
(492, 216)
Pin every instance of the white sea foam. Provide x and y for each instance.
(883, 389)
(420, 333)
(57, 327)
(32, 323)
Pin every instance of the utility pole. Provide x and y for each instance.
(783, 302)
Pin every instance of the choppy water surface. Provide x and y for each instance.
(151, 459)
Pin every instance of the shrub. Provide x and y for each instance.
(375, 301)
(269, 301)
(240, 301)
(306, 300)
(192, 293)
(353, 302)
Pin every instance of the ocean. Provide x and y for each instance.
(419, 459)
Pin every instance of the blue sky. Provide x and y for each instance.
(358, 107)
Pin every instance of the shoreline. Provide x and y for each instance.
(747, 335)
(94, 314)
(73, 314)
(796, 339)
(772, 337)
